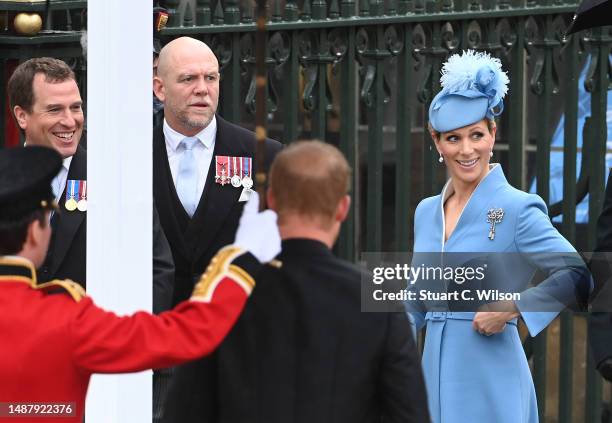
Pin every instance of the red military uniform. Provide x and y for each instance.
(51, 344)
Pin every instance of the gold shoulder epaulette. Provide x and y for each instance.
(220, 266)
(75, 290)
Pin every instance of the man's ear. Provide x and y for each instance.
(21, 117)
(343, 208)
(159, 89)
(33, 235)
(37, 240)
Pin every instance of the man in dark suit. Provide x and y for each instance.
(302, 350)
(47, 106)
(198, 209)
(46, 103)
(600, 320)
(198, 206)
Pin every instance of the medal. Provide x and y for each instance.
(71, 203)
(236, 181)
(224, 172)
(247, 182)
(494, 216)
(221, 171)
(82, 204)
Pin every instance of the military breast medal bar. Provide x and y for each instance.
(71, 193)
(236, 171)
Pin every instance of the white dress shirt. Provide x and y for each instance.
(59, 182)
(202, 151)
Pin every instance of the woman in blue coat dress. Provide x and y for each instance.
(474, 365)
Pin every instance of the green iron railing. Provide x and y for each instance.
(361, 74)
(377, 65)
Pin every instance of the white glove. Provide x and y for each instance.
(257, 232)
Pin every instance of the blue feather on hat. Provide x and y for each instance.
(473, 87)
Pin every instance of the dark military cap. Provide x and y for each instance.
(25, 180)
(160, 19)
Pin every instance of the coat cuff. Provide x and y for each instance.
(230, 263)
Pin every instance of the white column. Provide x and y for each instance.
(119, 140)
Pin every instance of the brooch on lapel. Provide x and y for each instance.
(76, 195)
(235, 171)
(494, 216)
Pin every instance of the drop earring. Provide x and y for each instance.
(491, 153)
(441, 159)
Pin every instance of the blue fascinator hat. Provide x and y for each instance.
(473, 87)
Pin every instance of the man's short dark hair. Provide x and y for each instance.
(20, 85)
(13, 233)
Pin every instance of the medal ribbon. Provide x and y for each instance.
(83, 190)
(218, 161)
(246, 170)
(70, 191)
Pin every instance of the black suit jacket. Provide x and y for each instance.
(68, 247)
(302, 351)
(600, 321)
(195, 241)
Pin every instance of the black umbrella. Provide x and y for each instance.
(591, 13)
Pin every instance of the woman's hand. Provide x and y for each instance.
(488, 322)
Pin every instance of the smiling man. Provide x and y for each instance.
(47, 106)
(55, 118)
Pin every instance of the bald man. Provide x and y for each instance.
(196, 155)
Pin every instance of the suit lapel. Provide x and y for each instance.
(217, 200)
(66, 224)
